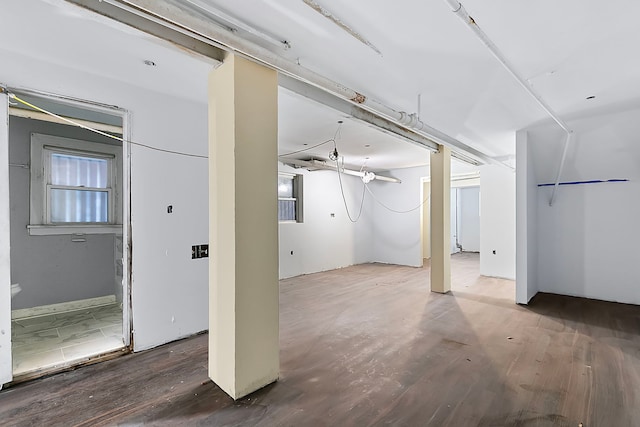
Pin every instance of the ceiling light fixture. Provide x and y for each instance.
(314, 165)
(367, 177)
(235, 24)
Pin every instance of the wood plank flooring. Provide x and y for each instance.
(370, 345)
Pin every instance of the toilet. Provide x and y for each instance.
(15, 288)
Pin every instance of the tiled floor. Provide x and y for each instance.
(61, 339)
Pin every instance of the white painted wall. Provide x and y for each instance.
(469, 218)
(455, 218)
(169, 290)
(426, 219)
(52, 269)
(497, 222)
(323, 242)
(587, 241)
(5, 258)
(526, 222)
(397, 237)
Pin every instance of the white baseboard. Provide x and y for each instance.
(62, 307)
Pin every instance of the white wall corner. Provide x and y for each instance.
(5, 259)
(526, 286)
(498, 222)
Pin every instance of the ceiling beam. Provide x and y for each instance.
(155, 26)
(187, 23)
(355, 112)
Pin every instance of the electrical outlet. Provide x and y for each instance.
(494, 251)
(200, 251)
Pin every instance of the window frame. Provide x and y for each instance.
(42, 147)
(297, 196)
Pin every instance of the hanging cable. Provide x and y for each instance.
(344, 199)
(308, 148)
(336, 157)
(99, 132)
(335, 136)
(394, 210)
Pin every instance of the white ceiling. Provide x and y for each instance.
(303, 124)
(568, 50)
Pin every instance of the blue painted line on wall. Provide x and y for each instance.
(595, 181)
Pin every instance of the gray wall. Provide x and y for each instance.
(52, 269)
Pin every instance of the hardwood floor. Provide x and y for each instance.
(370, 345)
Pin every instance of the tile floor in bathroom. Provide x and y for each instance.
(61, 339)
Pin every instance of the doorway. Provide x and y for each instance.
(465, 219)
(68, 227)
(464, 226)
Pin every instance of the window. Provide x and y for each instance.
(78, 187)
(289, 198)
(74, 186)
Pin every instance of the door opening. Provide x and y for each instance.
(464, 226)
(69, 222)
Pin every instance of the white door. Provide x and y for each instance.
(5, 262)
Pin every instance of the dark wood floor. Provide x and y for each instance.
(370, 345)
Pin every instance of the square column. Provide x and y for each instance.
(243, 226)
(440, 171)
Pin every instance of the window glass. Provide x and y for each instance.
(287, 210)
(79, 206)
(290, 198)
(285, 186)
(78, 171)
(74, 185)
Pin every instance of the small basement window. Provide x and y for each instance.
(74, 186)
(78, 189)
(289, 198)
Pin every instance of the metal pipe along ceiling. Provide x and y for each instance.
(312, 165)
(461, 12)
(173, 13)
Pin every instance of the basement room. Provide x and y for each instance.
(319, 213)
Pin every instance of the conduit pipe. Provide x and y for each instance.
(173, 15)
(461, 12)
(562, 160)
(315, 165)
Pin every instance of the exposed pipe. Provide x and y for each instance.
(314, 165)
(208, 8)
(341, 24)
(356, 112)
(461, 12)
(560, 168)
(176, 16)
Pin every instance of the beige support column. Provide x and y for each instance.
(440, 170)
(243, 226)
